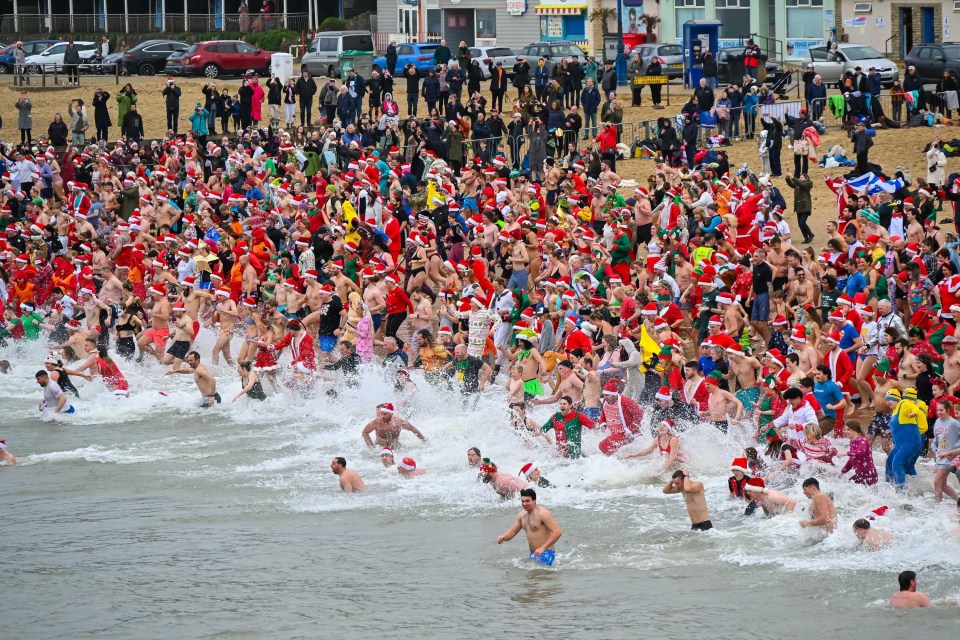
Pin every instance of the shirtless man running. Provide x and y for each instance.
(823, 513)
(227, 314)
(719, 404)
(693, 496)
(154, 339)
(872, 539)
(770, 500)
(541, 529)
(388, 428)
(350, 480)
(205, 381)
(182, 337)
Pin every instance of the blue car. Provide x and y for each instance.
(420, 54)
(31, 47)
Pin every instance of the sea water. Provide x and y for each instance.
(147, 517)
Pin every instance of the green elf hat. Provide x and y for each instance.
(666, 351)
(871, 215)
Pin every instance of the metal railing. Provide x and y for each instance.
(137, 23)
(55, 74)
(890, 106)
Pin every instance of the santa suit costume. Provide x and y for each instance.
(622, 418)
(747, 234)
(841, 372)
(304, 355)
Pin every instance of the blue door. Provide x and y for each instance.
(929, 31)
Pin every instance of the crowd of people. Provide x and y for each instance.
(640, 310)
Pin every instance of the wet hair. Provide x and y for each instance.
(42, 374)
(246, 365)
(341, 461)
(528, 493)
(677, 474)
(862, 523)
(905, 578)
(811, 482)
(806, 382)
(195, 354)
(475, 450)
(824, 369)
(792, 394)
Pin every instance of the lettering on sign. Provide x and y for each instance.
(650, 80)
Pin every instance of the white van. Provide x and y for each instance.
(322, 57)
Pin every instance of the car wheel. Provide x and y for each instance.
(147, 69)
(331, 72)
(211, 70)
(4, 69)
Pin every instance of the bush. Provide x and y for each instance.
(333, 24)
(271, 40)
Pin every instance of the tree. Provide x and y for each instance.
(650, 23)
(602, 15)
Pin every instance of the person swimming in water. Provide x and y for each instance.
(872, 539)
(538, 523)
(5, 456)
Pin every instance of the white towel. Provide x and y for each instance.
(950, 97)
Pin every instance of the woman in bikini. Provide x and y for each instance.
(668, 445)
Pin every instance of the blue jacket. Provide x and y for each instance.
(814, 92)
(874, 86)
(750, 101)
(541, 76)
(198, 122)
(590, 99)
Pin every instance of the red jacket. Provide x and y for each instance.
(304, 355)
(398, 302)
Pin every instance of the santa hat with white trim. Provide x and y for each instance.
(739, 464)
(755, 485)
(527, 469)
(407, 464)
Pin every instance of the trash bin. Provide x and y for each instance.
(735, 68)
(362, 61)
(281, 65)
(762, 67)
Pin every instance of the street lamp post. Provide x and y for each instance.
(621, 63)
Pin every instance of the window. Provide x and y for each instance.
(574, 27)
(243, 47)
(327, 44)
(804, 22)
(486, 23)
(956, 5)
(360, 42)
(862, 7)
(736, 19)
(925, 53)
(404, 50)
(671, 50)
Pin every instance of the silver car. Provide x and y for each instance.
(493, 55)
(671, 57)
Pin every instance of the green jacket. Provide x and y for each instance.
(123, 105)
(620, 251)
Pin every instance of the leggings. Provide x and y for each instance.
(25, 136)
(103, 133)
(394, 322)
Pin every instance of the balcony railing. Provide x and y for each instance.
(135, 23)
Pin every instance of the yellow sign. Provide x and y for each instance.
(650, 80)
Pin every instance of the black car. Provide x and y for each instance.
(147, 58)
(931, 60)
(774, 70)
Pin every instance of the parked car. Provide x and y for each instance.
(493, 55)
(218, 57)
(849, 55)
(418, 53)
(322, 57)
(774, 71)
(30, 48)
(147, 58)
(51, 59)
(552, 52)
(671, 57)
(931, 60)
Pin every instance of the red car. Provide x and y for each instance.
(219, 57)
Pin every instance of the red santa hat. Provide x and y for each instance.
(650, 309)
(755, 485)
(739, 464)
(664, 394)
(386, 407)
(777, 357)
(715, 321)
(799, 333)
(528, 469)
(407, 464)
(611, 388)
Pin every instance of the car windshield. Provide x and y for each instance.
(428, 48)
(671, 50)
(565, 50)
(193, 49)
(861, 52)
(952, 52)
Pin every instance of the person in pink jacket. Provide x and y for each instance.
(258, 96)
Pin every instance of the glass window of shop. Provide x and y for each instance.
(486, 23)
(735, 15)
(805, 19)
(689, 10)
